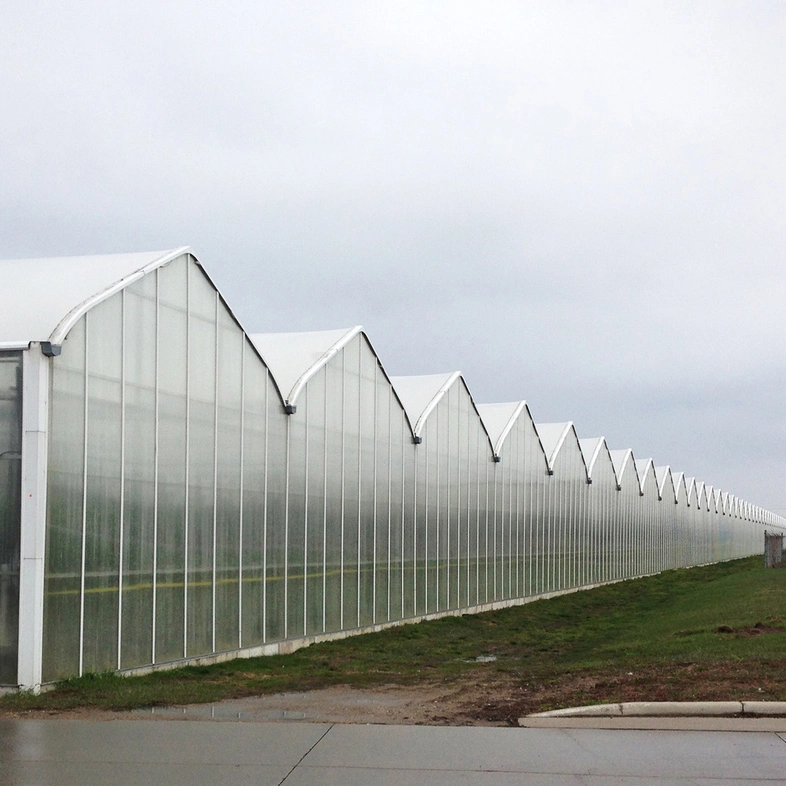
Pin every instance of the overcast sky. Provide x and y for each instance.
(580, 204)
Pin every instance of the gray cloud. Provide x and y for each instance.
(581, 205)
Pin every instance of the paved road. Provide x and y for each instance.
(119, 753)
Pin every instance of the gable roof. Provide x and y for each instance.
(622, 459)
(499, 420)
(51, 294)
(591, 449)
(643, 467)
(419, 395)
(293, 358)
(663, 475)
(552, 438)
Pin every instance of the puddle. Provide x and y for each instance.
(222, 713)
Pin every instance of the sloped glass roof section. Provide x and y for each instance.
(293, 358)
(591, 448)
(51, 294)
(623, 462)
(499, 419)
(643, 466)
(664, 478)
(552, 436)
(419, 395)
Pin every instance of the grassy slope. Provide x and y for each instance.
(651, 638)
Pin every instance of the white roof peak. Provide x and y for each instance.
(293, 358)
(51, 294)
(621, 459)
(419, 395)
(499, 420)
(591, 448)
(552, 437)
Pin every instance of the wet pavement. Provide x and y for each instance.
(124, 752)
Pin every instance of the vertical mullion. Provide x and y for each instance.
(438, 489)
(449, 512)
(403, 504)
(86, 388)
(187, 460)
(286, 530)
(426, 509)
(324, 497)
(155, 473)
(242, 491)
(307, 428)
(265, 506)
(415, 480)
(120, 548)
(343, 480)
(375, 504)
(215, 463)
(360, 477)
(469, 508)
(390, 491)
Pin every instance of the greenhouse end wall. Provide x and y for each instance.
(191, 515)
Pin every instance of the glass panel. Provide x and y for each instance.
(334, 435)
(230, 358)
(62, 579)
(409, 494)
(172, 410)
(315, 504)
(396, 494)
(352, 469)
(136, 637)
(427, 515)
(368, 478)
(201, 466)
(298, 453)
(102, 520)
(382, 543)
(10, 510)
(254, 469)
(275, 515)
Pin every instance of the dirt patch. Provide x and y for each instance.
(494, 701)
(416, 705)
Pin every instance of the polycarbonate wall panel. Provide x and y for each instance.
(367, 509)
(335, 439)
(569, 483)
(202, 416)
(172, 455)
(275, 517)
(351, 516)
(229, 447)
(136, 535)
(10, 508)
(252, 587)
(315, 508)
(101, 556)
(65, 494)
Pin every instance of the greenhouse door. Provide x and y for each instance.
(10, 511)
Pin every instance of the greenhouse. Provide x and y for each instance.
(175, 489)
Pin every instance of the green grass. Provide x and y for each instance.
(664, 629)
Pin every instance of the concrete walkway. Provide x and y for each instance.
(193, 753)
